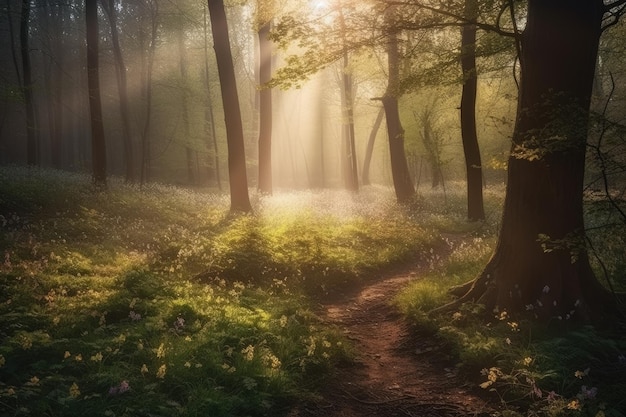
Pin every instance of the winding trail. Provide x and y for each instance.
(396, 372)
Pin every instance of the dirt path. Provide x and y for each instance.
(396, 372)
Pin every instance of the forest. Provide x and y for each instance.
(313, 208)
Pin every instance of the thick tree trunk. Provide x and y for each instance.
(399, 168)
(98, 147)
(475, 208)
(239, 199)
(369, 150)
(265, 117)
(540, 263)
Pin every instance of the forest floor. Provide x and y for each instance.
(397, 371)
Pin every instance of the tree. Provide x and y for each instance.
(120, 72)
(473, 165)
(147, 66)
(399, 168)
(98, 146)
(239, 199)
(265, 116)
(540, 262)
(32, 152)
(209, 119)
(347, 100)
(370, 146)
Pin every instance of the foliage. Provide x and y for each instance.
(155, 302)
(531, 370)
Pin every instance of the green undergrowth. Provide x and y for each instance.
(156, 302)
(525, 368)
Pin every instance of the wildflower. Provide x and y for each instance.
(97, 357)
(25, 342)
(10, 391)
(527, 361)
(144, 369)
(134, 316)
(588, 393)
(552, 396)
(581, 374)
(67, 354)
(161, 372)
(187, 364)
(179, 324)
(514, 326)
(74, 391)
(311, 347)
(457, 316)
(283, 321)
(546, 289)
(161, 351)
(78, 358)
(573, 405)
(507, 341)
(248, 352)
(123, 387)
(33, 381)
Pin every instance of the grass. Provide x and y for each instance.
(136, 302)
(526, 368)
(156, 302)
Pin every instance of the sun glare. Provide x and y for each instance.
(319, 5)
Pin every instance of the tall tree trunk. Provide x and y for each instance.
(265, 118)
(352, 175)
(32, 154)
(146, 84)
(209, 118)
(239, 199)
(98, 146)
(471, 150)
(541, 263)
(369, 150)
(182, 61)
(122, 88)
(399, 168)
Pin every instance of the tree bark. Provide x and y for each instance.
(239, 199)
(265, 118)
(146, 86)
(351, 171)
(209, 119)
(98, 146)
(399, 168)
(32, 154)
(540, 263)
(369, 150)
(471, 150)
(122, 87)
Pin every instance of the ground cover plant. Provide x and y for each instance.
(558, 369)
(155, 301)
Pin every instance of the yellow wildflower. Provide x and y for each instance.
(74, 391)
(161, 371)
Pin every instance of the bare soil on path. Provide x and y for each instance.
(396, 372)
